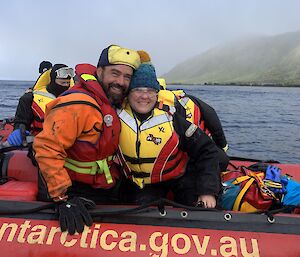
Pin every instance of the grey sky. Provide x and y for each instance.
(74, 31)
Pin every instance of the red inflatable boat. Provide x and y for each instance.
(30, 228)
(164, 228)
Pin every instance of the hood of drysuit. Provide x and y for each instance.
(53, 87)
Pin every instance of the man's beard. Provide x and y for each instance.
(116, 99)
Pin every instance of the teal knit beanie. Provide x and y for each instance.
(144, 76)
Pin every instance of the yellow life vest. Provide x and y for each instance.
(42, 97)
(42, 81)
(188, 104)
(193, 112)
(162, 83)
(149, 149)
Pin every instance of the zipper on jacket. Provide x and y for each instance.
(137, 142)
(138, 145)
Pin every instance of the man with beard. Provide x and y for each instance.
(80, 137)
(29, 115)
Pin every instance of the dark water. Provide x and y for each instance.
(10, 92)
(259, 122)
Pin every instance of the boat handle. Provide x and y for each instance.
(271, 219)
(227, 216)
(163, 213)
(184, 214)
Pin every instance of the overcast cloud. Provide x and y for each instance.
(75, 31)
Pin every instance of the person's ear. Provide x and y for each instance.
(99, 72)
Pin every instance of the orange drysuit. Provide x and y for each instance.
(74, 129)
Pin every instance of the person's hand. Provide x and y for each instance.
(16, 137)
(225, 148)
(207, 201)
(73, 214)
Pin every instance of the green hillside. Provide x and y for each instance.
(264, 60)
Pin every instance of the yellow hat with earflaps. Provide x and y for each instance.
(115, 54)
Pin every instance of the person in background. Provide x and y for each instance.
(44, 66)
(206, 118)
(160, 151)
(29, 115)
(199, 113)
(81, 131)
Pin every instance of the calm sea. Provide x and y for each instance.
(259, 122)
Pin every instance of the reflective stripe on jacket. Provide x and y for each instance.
(91, 168)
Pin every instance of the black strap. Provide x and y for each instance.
(139, 174)
(77, 102)
(37, 118)
(164, 107)
(139, 160)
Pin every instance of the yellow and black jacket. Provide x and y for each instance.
(31, 107)
(40, 99)
(157, 149)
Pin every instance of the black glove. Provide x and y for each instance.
(73, 214)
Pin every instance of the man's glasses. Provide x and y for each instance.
(140, 91)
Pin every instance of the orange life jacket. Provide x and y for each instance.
(82, 152)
